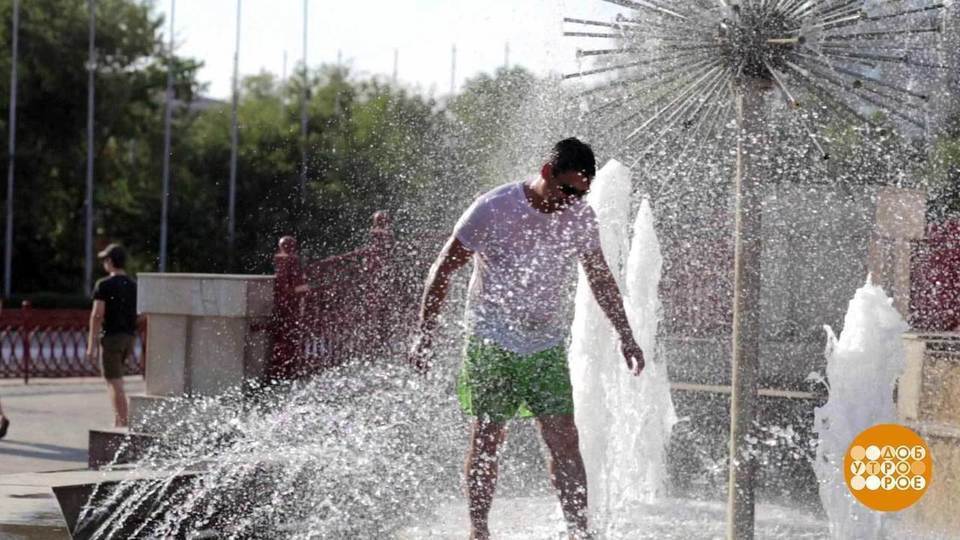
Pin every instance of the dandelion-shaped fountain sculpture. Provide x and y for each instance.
(687, 79)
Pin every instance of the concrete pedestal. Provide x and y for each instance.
(900, 220)
(201, 341)
(928, 401)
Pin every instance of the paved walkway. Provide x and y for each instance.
(49, 421)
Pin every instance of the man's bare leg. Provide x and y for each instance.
(567, 471)
(482, 470)
(119, 399)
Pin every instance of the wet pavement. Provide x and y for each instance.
(45, 446)
(50, 420)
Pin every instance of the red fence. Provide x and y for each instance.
(935, 279)
(351, 306)
(52, 343)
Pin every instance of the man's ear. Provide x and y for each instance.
(547, 171)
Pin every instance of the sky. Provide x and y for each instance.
(367, 32)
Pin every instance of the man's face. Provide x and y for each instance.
(567, 187)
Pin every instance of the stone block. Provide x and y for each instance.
(217, 351)
(201, 337)
(166, 364)
(256, 355)
(260, 296)
(167, 419)
(938, 512)
(154, 414)
(116, 446)
(928, 401)
(929, 389)
(901, 213)
(96, 490)
(204, 295)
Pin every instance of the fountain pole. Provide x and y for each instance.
(746, 304)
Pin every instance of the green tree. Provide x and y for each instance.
(51, 149)
(368, 148)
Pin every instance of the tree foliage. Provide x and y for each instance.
(370, 146)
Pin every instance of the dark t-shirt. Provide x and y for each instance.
(120, 295)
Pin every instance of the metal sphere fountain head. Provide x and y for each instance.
(675, 69)
(753, 43)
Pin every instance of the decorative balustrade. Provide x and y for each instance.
(47, 343)
(935, 279)
(350, 306)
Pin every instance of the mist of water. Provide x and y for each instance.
(355, 453)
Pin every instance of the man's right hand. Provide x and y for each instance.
(420, 356)
(93, 353)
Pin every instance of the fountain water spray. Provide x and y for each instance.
(625, 422)
(357, 452)
(862, 369)
(679, 76)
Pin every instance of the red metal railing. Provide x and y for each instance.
(354, 305)
(48, 343)
(935, 279)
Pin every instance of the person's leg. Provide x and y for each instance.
(4, 423)
(119, 400)
(482, 470)
(113, 353)
(566, 470)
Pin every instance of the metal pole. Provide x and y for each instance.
(232, 199)
(12, 154)
(283, 88)
(453, 70)
(303, 111)
(91, 100)
(167, 117)
(396, 64)
(506, 55)
(746, 307)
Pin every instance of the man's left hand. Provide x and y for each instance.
(93, 354)
(633, 354)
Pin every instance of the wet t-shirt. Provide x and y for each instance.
(523, 268)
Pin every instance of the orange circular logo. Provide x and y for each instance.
(888, 467)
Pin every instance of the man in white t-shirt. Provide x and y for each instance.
(525, 239)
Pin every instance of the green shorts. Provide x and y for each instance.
(114, 350)
(498, 384)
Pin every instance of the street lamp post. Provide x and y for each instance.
(167, 118)
(234, 140)
(304, 96)
(91, 101)
(12, 154)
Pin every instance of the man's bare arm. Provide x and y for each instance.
(453, 257)
(96, 322)
(607, 293)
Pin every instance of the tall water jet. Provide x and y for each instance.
(624, 421)
(648, 426)
(863, 365)
(593, 351)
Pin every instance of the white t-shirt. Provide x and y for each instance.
(523, 268)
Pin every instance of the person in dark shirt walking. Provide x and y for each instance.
(113, 326)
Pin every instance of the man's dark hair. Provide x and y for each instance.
(573, 155)
(116, 254)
